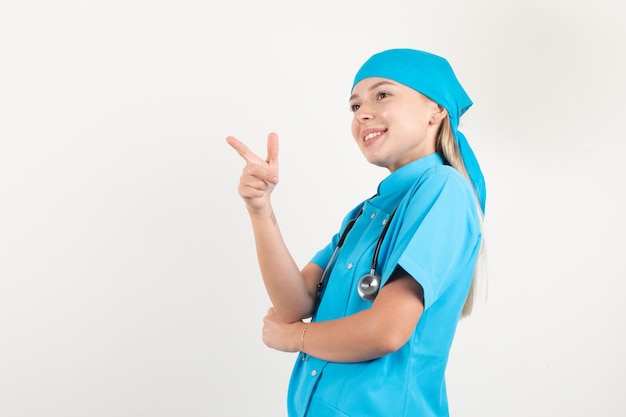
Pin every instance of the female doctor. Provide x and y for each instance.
(385, 295)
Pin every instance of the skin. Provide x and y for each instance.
(405, 124)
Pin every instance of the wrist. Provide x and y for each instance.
(265, 211)
(302, 335)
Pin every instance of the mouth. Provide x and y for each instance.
(372, 135)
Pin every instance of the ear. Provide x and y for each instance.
(439, 113)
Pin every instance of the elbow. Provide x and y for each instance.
(391, 339)
(293, 313)
(289, 315)
(394, 344)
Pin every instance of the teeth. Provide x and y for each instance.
(372, 135)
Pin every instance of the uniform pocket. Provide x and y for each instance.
(320, 409)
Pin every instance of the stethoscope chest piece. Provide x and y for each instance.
(368, 286)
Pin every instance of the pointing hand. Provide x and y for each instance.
(259, 176)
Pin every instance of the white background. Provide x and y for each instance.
(128, 277)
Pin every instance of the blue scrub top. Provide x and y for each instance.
(435, 236)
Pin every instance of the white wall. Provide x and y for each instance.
(128, 279)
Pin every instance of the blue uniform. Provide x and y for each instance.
(435, 236)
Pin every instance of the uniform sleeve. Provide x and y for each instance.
(322, 257)
(437, 237)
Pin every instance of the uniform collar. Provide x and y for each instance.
(404, 177)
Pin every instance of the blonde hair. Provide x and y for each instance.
(448, 148)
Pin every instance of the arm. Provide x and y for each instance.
(291, 291)
(369, 334)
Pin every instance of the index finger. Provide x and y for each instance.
(243, 150)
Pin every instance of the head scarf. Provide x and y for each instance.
(432, 76)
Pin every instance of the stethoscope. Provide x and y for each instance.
(369, 284)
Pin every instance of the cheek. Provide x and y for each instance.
(355, 129)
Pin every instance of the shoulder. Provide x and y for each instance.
(444, 181)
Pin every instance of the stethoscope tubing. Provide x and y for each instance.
(370, 282)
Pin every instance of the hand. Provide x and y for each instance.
(259, 176)
(279, 334)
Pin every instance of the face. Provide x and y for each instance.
(393, 124)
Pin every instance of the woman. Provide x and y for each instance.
(385, 295)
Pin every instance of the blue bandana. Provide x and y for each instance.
(432, 76)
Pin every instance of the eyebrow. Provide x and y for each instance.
(372, 87)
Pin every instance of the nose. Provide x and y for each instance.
(364, 113)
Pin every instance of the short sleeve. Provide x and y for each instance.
(437, 233)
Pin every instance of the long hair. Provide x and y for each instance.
(448, 148)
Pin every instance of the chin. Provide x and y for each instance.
(378, 163)
(376, 159)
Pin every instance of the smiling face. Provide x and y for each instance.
(393, 124)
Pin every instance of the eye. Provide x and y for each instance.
(381, 95)
(354, 107)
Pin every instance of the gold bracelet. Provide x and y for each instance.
(302, 337)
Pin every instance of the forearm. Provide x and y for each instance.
(377, 331)
(284, 282)
(351, 339)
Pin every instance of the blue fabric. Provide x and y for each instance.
(435, 236)
(432, 76)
